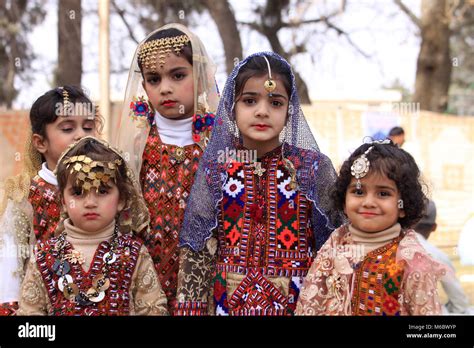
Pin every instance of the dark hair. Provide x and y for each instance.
(186, 50)
(97, 152)
(45, 109)
(257, 67)
(396, 131)
(399, 166)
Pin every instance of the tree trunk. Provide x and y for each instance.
(69, 70)
(433, 71)
(224, 18)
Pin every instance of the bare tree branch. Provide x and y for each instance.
(409, 13)
(121, 13)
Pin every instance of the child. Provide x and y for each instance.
(374, 265)
(170, 99)
(269, 216)
(95, 265)
(29, 205)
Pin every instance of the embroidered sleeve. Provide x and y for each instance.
(194, 279)
(419, 294)
(147, 295)
(34, 298)
(326, 288)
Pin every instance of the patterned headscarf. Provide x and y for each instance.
(315, 172)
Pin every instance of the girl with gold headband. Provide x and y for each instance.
(29, 204)
(95, 265)
(259, 208)
(165, 125)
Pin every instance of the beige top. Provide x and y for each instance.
(373, 240)
(146, 294)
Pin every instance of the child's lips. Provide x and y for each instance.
(168, 103)
(261, 126)
(368, 214)
(91, 216)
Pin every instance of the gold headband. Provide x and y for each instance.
(91, 174)
(160, 48)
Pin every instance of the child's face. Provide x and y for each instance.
(92, 210)
(374, 207)
(170, 88)
(261, 118)
(60, 134)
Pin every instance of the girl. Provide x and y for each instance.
(374, 265)
(256, 224)
(29, 205)
(95, 265)
(169, 103)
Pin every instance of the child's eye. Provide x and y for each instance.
(249, 101)
(77, 191)
(67, 130)
(179, 76)
(357, 192)
(88, 129)
(153, 80)
(384, 194)
(277, 103)
(102, 191)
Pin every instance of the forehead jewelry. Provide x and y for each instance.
(91, 174)
(361, 165)
(159, 49)
(65, 100)
(270, 84)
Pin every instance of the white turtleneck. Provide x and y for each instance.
(374, 240)
(47, 175)
(175, 132)
(87, 242)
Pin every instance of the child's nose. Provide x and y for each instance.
(80, 133)
(165, 86)
(369, 201)
(262, 109)
(91, 200)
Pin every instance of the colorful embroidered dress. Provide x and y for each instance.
(166, 178)
(265, 244)
(133, 288)
(46, 211)
(398, 278)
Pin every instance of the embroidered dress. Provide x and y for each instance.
(398, 278)
(133, 290)
(166, 178)
(265, 241)
(46, 210)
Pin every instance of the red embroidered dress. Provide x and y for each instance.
(265, 243)
(46, 209)
(166, 178)
(117, 296)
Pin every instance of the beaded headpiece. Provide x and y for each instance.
(65, 99)
(160, 49)
(91, 174)
(361, 165)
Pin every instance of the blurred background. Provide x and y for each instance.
(362, 67)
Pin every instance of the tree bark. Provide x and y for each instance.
(433, 72)
(69, 70)
(224, 18)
